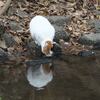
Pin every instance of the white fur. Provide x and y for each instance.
(38, 77)
(41, 30)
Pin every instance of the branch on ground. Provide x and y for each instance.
(5, 7)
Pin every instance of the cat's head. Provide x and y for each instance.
(46, 49)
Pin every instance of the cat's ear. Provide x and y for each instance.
(49, 44)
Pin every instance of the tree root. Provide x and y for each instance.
(5, 7)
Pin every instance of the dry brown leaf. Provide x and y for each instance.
(84, 21)
(52, 7)
(2, 44)
(76, 33)
(5, 66)
(10, 49)
(55, 1)
(71, 4)
(18, 39)
(27, 31)
(42, 9)
(98, 8)
(92, 17)
(1, 4)
(70, 28)
(84, 25)
(99, 16)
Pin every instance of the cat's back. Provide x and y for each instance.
(39, 25)
(40, 21)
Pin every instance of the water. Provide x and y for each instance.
(68, 78)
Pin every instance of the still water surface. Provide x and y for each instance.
(67, 78)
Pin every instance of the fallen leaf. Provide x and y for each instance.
(84, 25)
(76, 33)
(1, 4)
(71, 4)
(18, 39)
(10, 49)
(70, 28)
(98, 8)
(42, 9)
(98, 16)
(2, 44)
(5, 66)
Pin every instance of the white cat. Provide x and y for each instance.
(43, 33)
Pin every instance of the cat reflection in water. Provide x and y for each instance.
(40, 75)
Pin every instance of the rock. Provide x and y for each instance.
(90, 39)
(59, 20)
(32, 45)
(62, 5)
(12, 10)
(96, 46)
(22, 13)
(15, 26)
(2, 52)
(2, 28)
(86, 53)
(9, 39)
(97, 12)
(60, 34)
(96, 24)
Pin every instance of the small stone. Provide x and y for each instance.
(96, 24)
(59, 20)
(22, 13)
(2, 28)
(90, 39)
(32, 45)
(97, 12)
(60, 34)
(12, 10)
(2, 52)
(15, 26)
(9, 40)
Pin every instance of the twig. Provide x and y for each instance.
(5, 7)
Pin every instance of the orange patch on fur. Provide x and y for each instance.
(46, 68)
(47, 48)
